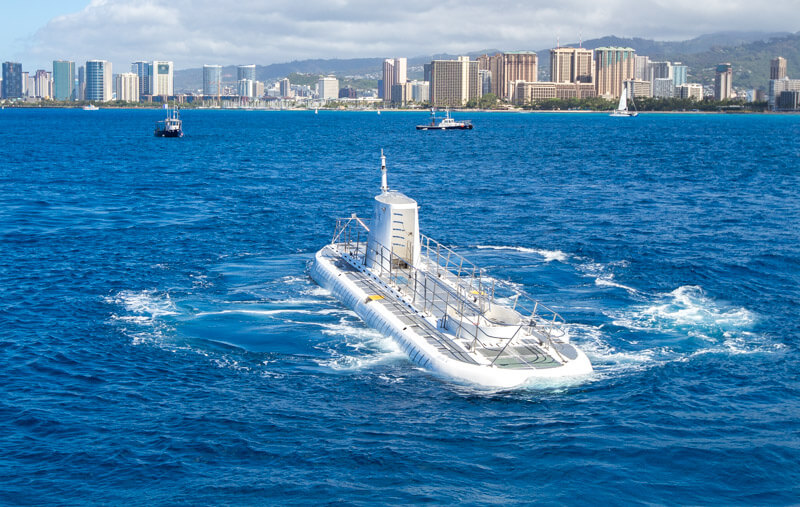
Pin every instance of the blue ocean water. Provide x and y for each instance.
(162, 342)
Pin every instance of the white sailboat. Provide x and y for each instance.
(622, 108)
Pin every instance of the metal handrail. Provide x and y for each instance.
(447, 286)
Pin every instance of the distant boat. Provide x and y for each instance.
(90, 107)
(622, 108)
(379, 111)
(316, 111)
(446, 123)
(171, 126)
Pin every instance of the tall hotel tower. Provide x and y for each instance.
(212, 80)
(63, 80)
(571, 65)
(394, 73)
(722, 82)
(143, 70)
(613, 66)
(454, 82)
(98, 80)
(161, 78)
(777, 68)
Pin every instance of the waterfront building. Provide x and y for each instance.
(348, 93)
(98, 80)
(143, 70)
(571, 65)
(245, 88)
(613, 66)
(285, 88)
(693, 91)
(395, 72)
(788, 100)
(212, 80)
(246, 72)
(420, 91)
(494, 66)
(128, 87)
(660, 70)
(328, 88)
(526, 92)
(641, 68)
(663, 87)
(777, 68)
(81, 91)
(679, 73)
(258, 89)
(161, 80)
(42, 84)
(778, 86)
(638, 88)
(27, 85)
(519, 66)
(454, 82)
(485, 80)
(12, 80)
(722, 82)
(63, 80)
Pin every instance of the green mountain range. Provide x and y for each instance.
(749, 53)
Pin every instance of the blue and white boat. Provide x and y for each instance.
(442, 310)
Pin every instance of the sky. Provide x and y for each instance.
(195, 32)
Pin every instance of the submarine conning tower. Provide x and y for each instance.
(395, 227)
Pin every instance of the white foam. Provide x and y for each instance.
(369, 347)
(549, 255)
(689, 308)
(255, 312)
(149, 302)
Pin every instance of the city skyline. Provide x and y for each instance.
(247, 31)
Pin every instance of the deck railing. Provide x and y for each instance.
(450, 288)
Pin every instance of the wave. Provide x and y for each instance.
(549, 255)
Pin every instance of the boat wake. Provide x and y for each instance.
(548, 255)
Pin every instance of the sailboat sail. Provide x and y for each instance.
(623, 101)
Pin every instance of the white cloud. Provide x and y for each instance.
(194, 32)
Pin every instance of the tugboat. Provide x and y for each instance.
(441, 309)
(171, 126)
(446, 123)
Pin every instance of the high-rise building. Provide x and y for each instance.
(285, 87)
(81, 91)
(43, 84)
(28, 86)
(12, 80)
(777, 68)
(660, 70)
(571, 65)
(663, 87)
(128, 87)
(212, 80)
(693, 91)
(679, 73)
(777, 86)
(519, 66)
(641, 68)
(638, 88)
(98, 80)
(494, 65)
(485, 79)
(722, 82)
(246, 72)
(328, 88)
(161, 82)
(394, 73)
(144, 71)
(454, 82)
(246, 88)
(613, 66)
(420, 91)
(63, 80)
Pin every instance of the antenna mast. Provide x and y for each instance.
(384, 183)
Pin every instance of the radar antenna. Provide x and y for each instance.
(384, 183)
